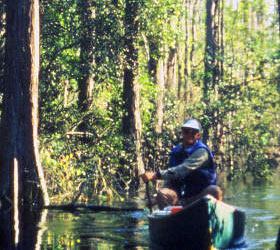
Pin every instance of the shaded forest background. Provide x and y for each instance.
(117, 79)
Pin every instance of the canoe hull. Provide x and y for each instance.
(202, 224)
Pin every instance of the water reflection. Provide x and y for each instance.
(23, 233)
(54, 229)
(261, 203)
(101, 230)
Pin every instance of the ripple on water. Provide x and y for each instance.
(140, 215)
(264, 217)
(254, 210)
(271, 197)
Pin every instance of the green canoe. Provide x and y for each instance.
(204, 223)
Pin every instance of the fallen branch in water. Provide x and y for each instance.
(96, 208)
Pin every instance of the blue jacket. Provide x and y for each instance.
(200, 178)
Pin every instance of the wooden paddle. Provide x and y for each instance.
(150, 206)
(141, 172)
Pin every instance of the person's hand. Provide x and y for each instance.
(148, 176)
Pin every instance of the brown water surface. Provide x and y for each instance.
(129, 230)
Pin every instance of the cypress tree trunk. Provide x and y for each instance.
(180, 56)
(171, 70)
(159, 103)
(86, 82)
(186, 53)
(156, 73)
(153, 46)
(19, 127)
(22, 183)
(210, 75)
(278, 5)
(132, 126)
(191, 54)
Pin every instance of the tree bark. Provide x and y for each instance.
(191, 10)
(171, 70)
(210, 75)
(153, 46)
(19, 154)
(156, 73)
(132, 125)
(22, 183)
(278, 5)
(186, 53)
(180, 61)
(159, 103)
(86, 82)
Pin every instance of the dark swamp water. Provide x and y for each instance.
(129, 230)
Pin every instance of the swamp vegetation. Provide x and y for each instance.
(117, 79)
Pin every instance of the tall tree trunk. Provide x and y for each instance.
(278, 5)
(85, 82)
(210, 75)
(180, 76)
(156, 72)
(216, 120)
(19, 127)
(222, 49)
(159, 104)
(171, 70)
(186, 53)
(153, 56)
(180, 56)
(22, 183)
(132, 125)
(193, 12)
(171, 77)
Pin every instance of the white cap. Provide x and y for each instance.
(191, 123)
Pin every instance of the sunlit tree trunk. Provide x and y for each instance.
(22, 183)
(186, 53)
(159, 103)
(210, 75)
(217, 118)
(180, 55)
(192, 40)
(132, 125)
(171, 70)
(156, 72)
(213, 76)
(278, 5)
(86, 82)
(171, 63)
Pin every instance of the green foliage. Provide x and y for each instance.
(241, 110)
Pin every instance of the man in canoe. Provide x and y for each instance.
(192, 172)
